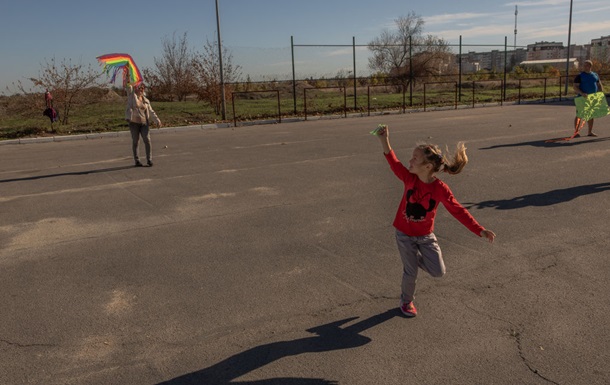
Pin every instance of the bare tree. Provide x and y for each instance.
(156, 88)
(207, 74)
(66, 81)
(173, 74)
(407, 49)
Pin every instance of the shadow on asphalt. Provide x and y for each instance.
(65, 174)
(548, 143)
(327, 337)
(543, 199)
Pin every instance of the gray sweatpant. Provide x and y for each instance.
(418, 252)
(138, 130)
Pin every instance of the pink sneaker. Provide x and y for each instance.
(408, 309)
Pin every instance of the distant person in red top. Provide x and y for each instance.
(48, 99)
(414, 221)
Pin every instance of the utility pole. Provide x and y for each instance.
(222, 82)
(568, 52)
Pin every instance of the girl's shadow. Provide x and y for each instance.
(327, 337)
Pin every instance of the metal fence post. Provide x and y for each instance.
(424, 97)
(294, 82)
(305, 102)
(368, 99)
(473, 93)
(279, 108)
(410, 71)
(505, 56)
(544, 95)
(354, 51)
(460, 70)
(233, 106)
(345, 101)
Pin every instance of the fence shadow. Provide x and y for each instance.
(548, 198)
(65, 174)
(326, 338)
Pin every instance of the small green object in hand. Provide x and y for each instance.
(379, 128)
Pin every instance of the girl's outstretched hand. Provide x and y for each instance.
(490, 235)
(383, 134)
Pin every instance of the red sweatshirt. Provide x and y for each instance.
(417, 209)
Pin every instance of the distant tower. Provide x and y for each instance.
(515, 43)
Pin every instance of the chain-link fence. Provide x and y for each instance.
(339, 97)
(470, 76)
(305, 81)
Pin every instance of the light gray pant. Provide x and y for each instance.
(418, 252)
(138, 130)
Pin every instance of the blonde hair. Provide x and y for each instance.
(451, 164)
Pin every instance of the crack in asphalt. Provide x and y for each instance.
(25, 345)
(516, 335)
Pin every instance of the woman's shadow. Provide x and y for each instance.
(326, 338)
(87, 172)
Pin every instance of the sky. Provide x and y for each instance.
(258, 33)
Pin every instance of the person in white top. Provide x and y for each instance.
(140, 114)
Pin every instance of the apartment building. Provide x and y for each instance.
(545, 50)
(599, 49)
(539, 53)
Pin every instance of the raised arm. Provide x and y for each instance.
(384, 137)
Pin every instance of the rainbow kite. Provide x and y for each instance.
(116, 62)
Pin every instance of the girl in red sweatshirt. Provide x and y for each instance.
(414, 221)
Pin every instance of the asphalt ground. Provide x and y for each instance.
(266, 255)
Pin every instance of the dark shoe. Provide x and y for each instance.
(138, 164)
(150, 163)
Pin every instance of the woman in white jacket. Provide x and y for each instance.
(140, 114)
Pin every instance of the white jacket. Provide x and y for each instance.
(131, 111)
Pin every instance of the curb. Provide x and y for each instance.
(102, 135)
(156, 131)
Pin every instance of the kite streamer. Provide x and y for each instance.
(116, 62)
